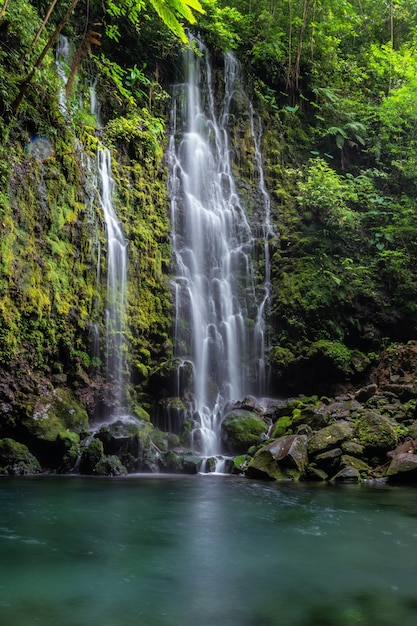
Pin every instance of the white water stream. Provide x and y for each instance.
(219, 316)
(116, 281)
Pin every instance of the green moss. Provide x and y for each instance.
(281, 357)
(334, 351)
(241, 429)
(90, 456)
(282, 426)
(16, 459)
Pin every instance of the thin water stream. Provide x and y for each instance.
(116, 281)
(164, 551)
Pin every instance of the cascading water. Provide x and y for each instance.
(62, 56)
(219, 329)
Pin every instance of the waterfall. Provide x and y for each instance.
(103, 185)
(116, 280)
(219, 328)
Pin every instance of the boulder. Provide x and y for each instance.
(329, 461)
(352, 447)
(16, 460)
(404, 392)
(330, 437)
(403, 468)
(110, 466)
(364, 394)
(130, 439)
(375, 432)
(409, 446)
(347, 475)
(315, 473)
(91, 454)
(282, 459)
(242, 429)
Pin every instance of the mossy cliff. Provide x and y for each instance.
(53, 238)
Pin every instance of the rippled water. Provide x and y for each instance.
(205, 550)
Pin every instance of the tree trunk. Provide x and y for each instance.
(288, 81)
(300, 45)
(44, 23)
(391, 27)
(3, 8)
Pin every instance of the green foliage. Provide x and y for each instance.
(328, 195)
(140, 134)
(335, 351)
(170, 11)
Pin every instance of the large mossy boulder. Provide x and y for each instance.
(283, 459)
(110, 466)
(377, 433)
(242, 429)
(16, 459)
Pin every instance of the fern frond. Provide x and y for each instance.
(195, 5)
(169, 19)
(179, 6)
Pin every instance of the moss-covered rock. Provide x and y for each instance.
(45, 421)
(54, 413)
(292, 414)
(329, 437)
(241, 429)
(329, 461)
(376, 432)
(347, 474)
(283, 459)
(110, 466)
(90, 456)
(16, 460)
(68, 450)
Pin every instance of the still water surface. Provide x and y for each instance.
(205, 550)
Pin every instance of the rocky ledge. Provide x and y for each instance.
(360, 434)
